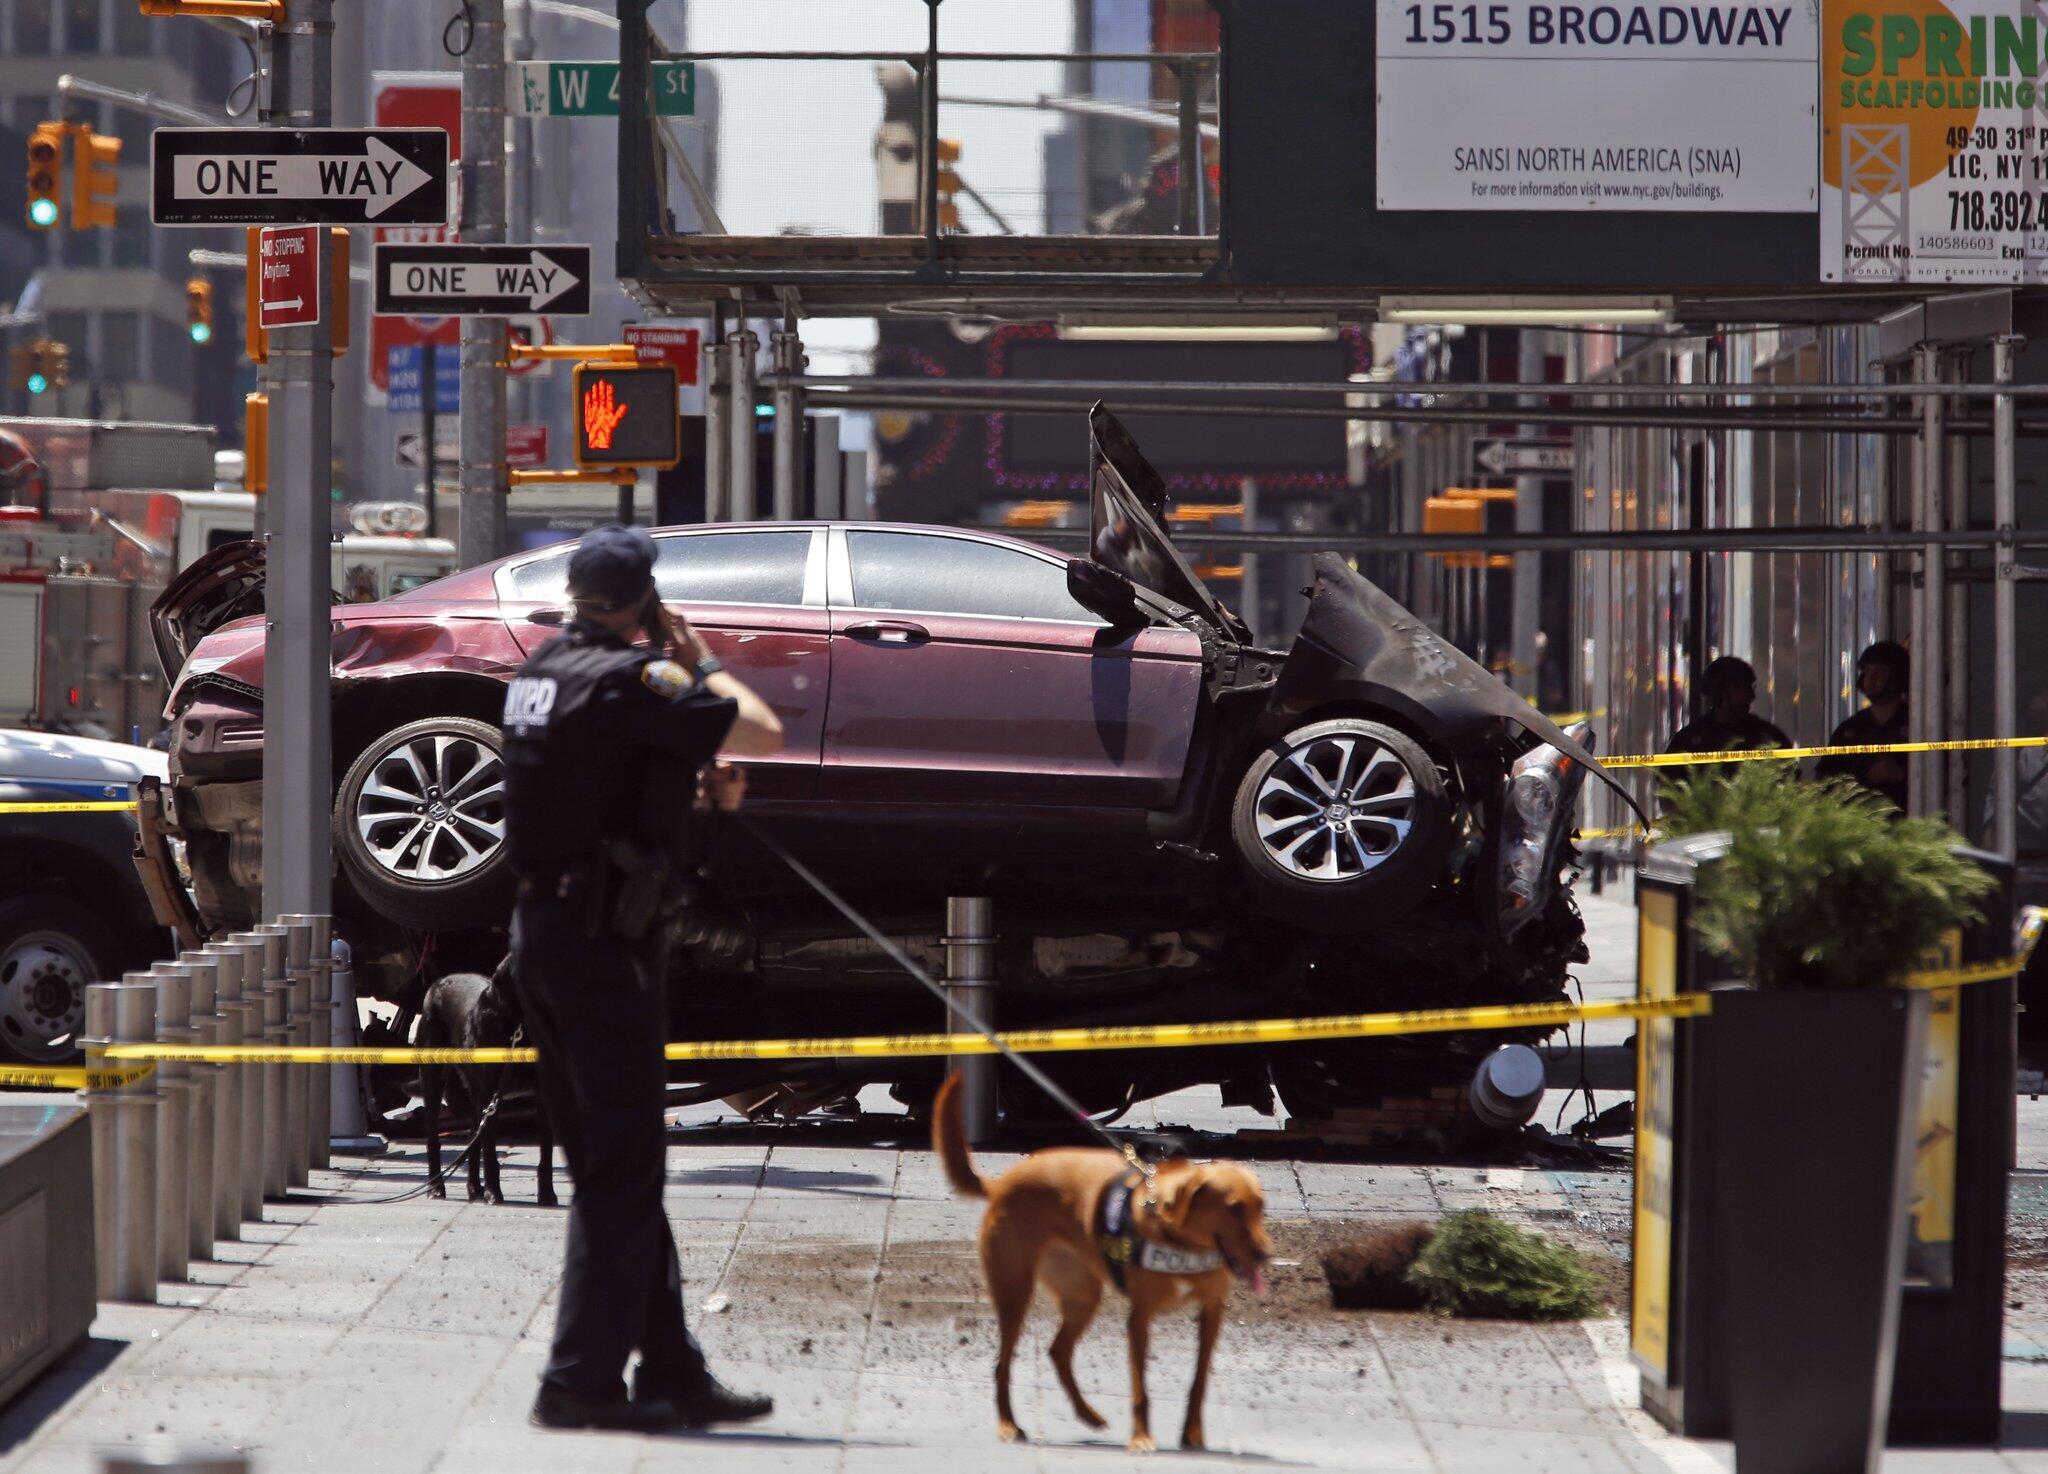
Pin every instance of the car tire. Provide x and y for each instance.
(419, 824)
(1343, 872)
(50, 948)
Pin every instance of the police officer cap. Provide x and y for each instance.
(1727, 670)
(612, 568)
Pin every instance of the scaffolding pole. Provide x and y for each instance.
(2005, 611)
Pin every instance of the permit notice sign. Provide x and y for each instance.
(1705, 107)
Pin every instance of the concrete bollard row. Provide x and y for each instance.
(183, 1157)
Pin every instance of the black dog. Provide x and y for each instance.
(466, 1010)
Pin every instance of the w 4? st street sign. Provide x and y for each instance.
(449, 280)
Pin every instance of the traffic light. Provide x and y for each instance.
(626, 415)
(46, 174)
(94, 157)
(39, 366)
(199, 310)
(949, 184)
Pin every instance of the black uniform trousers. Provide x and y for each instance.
(599, 1024)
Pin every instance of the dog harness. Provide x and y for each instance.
(1122, 1247)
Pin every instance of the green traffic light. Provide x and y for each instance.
(202, 332)
(42, 212)
(37, 383)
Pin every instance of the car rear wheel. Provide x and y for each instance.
(420, 825)
(50, 948)
(1342, 824)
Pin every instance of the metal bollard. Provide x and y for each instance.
(320, 959)
(123, 1146)
(206, 1098)
(350, 1129)
(970, 982)
(298, 1079)
(227, 1095)
(276, 1035)
(173, 1121)
(255, 1115)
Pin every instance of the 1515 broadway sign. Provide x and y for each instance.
(1934, 158)
(1702, 106)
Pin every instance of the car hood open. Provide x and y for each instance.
(1126, 531)
(1356, 639)
(224, 584)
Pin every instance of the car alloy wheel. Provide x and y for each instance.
(433, 808)
(1335, 807)
(42, 995)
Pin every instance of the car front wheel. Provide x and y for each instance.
(1342, 824)
(419, 823)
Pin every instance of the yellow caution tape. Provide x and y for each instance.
(1061, 1041)
(94, 806)
(1796, 754)
(71, 1077)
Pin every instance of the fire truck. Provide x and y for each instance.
(95, 518)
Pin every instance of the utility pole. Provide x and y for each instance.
(298, 779)
(742, 344)
(525, 137)
(483, 338)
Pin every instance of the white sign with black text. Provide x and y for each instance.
(1703, 106)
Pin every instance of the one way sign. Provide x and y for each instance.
(299, 176)
(1522, 457)
(435, 280)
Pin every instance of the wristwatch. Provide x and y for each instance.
(709, 666)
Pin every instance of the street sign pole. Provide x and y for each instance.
(429, 393)
(483, 338)
(297, 765)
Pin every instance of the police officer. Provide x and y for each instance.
(591, 723)
(1884, 675)
(1726, 722)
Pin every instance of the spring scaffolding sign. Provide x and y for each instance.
(1934, 141)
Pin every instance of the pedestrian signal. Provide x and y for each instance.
(626, 415)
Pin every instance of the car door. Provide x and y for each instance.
(963, 673)
(758, 597)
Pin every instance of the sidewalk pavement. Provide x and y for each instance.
(350, 1335)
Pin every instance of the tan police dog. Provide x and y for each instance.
(1080, 1220)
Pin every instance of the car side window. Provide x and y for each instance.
(952, 575)
(733, 567)
(545, 580)
(709, 568)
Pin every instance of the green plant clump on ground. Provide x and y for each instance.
(1476, 1265)
(1825, 885)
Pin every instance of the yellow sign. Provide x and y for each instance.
(1656, 1052)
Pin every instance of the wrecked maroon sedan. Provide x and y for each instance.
(1174, 823)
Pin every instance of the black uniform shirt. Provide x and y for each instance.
(584, 719)
(1862, 729)
(1708, 733)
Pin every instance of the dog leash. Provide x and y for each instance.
(903, 960)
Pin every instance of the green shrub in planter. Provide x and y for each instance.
(1476, 1265)
(1824, 884)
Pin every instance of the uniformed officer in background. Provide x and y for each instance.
(594, 725)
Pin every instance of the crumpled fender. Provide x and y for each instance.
(1356, 644)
